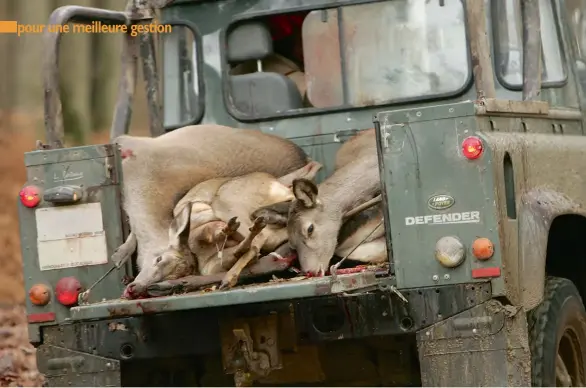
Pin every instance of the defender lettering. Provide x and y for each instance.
(442, 219)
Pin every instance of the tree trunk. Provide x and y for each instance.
(28, 55)
(18, 362)
(106, 50)
(7, 84)
(75, 79)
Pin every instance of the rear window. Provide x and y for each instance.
(352, 56)
(508, 35)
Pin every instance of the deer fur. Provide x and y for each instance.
(159, 171)
(215, 216)
(317, 215)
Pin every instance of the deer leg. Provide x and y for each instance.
(186, 284)
(215, 232)
(257, 227)
(278, 260)
(373, 252)
(245, 254)
(124, 251)
(228, 257)
(227, 231)
(231, 277)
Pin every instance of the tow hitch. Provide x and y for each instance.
(249, 348)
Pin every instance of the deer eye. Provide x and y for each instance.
(310, 230)
(158, 259)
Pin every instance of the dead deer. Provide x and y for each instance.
(233, 203)
(214, 217)
(318, 213)
(159, 171)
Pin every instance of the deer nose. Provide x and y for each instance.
(133, 291)
(319, 273)
(128, 292)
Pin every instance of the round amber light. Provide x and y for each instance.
(39, 295)
(482, 248)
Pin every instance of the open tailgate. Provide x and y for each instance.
(295, 288)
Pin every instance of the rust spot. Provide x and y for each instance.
(109, 148)
(115, 326)
(322, 289)
(118, 311)
(148, 308)
(357, 269)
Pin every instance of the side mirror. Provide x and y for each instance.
(181, 105)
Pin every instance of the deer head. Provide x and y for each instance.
(174, 262)
(311, 226)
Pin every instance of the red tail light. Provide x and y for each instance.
(67, 290)
(30, 196)
(472, 147)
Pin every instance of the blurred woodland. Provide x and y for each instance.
(89, 68)
(89, 71)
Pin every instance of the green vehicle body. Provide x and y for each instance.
(420, 323)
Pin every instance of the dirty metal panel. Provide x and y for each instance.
(422, 161)
(72, 154)
(382, 313)
(295, 289)
(327, 318)
(68, 368)
(97, 171)
(323, 148)
(71, 236)
(90, 173)
(488, 342)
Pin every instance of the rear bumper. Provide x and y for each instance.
(487, 339)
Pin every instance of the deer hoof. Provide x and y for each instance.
(259, 224)
(233, 224)
(229, 281)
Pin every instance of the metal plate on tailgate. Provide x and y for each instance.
(71, 236)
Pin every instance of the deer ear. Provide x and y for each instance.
(275, 214)
(179, 229)
(305, 191)
(308, 172)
